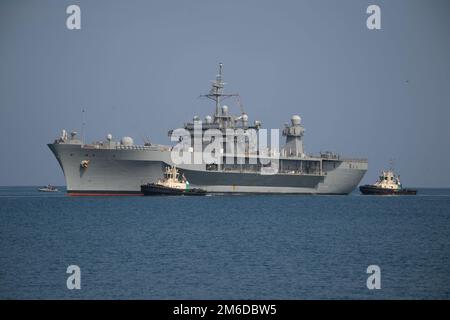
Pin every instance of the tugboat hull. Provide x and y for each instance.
(374, 190)
(153, 189)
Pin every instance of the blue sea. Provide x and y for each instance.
(224, 247)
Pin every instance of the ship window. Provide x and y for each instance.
(71, 154)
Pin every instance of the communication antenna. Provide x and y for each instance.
(241, 106)
(216, 93)
(146, 139)
(391, 164)
(83, 123)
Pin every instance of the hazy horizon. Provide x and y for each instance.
(137, 68)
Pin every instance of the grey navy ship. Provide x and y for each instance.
(112, 167)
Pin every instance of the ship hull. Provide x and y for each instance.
(122, 172)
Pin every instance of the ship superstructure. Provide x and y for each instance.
(239, 162)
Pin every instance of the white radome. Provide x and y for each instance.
(296, 120)
(126, 141)
(224, 109)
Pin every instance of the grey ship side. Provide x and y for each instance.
(121, 167)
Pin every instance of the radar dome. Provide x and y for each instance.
(224, 109)
(109, 137)
(126, 141)
(244, 117)
(208, 119)
(296, 120)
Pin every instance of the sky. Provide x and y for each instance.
(138, 67)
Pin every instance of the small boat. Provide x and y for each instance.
(388, 183)
(173, 184)
(48, 188)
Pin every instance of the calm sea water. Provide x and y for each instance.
(224, 247)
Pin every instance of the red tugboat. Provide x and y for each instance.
(387, 184)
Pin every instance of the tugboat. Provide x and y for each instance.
(48, 188)
(388, 183)
(172, 185)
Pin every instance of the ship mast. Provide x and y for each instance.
(216, 94)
